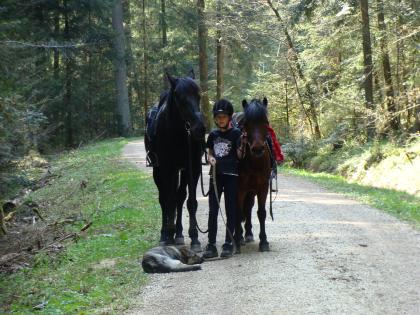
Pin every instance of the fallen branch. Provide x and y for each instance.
(9, 216)
(2, 225)
(39, 214)
(63, 238)
(84, 228)
(67, 236)
(61, 222)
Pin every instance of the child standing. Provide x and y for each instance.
(225, 148)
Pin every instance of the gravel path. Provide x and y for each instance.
(329, 255)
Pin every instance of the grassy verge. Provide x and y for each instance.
(399, 204)
(101, 272)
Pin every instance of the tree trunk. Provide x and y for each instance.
(219, 53)
(163, 23)
(67, 83)
(56, 62)
(309, 93)
(164, 28)
(132, 70)
(145, 62)
(305, 111)
(287, 109)
(202, 46)
(123, 107)
(386, 66)
(368, 68)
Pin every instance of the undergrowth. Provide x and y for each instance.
(99, 273)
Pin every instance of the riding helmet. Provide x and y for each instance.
(222, 106)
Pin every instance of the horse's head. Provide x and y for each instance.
(255, 125)
(185, 95)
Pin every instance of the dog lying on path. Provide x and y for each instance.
(163, 259)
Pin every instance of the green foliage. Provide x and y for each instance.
(20, 127)
(379, 164)
(300, 151)
(101, 272)
(58, 57)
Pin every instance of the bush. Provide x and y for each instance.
(20, 126)
(300, 152)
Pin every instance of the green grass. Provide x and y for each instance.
(382, 164)
(101, 272)
(397, 203)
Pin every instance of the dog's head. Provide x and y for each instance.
(190, 257)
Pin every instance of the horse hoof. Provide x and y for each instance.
(264, 247)
(249, 238)
(179, 240)
(242, 242)
(196, 246)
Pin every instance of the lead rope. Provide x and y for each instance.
(201, 176)
(187, 128)
(218, 203)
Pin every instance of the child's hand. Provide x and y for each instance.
(244, 138)
(212, 161)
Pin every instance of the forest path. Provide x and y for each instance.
(329, 255)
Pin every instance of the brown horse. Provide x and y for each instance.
(254, 168)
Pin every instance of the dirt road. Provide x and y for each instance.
(329, 255)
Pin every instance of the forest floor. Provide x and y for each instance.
(329, 255)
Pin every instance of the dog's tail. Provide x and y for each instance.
(183, 267)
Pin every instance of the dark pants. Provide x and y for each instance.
(272, 157)
(228, 184)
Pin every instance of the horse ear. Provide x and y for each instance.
(191, 74)
(265, 102)
(244, 104)
(172, 80)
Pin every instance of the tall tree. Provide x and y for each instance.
(133, 72)
(386, 67)
(67, 98)
(368, 68)
(145, 60)
(163, 23)
(219, 52)
(294, 57)
(202, 47)
(123, 106)
(164, 28)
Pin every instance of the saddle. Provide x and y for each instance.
(150, 134)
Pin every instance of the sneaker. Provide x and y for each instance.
(238, 248)
(210, 251)
(227, 250)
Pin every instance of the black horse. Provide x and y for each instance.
(177, 147)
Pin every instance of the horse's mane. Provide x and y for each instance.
(162, 98)
(256, 112)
